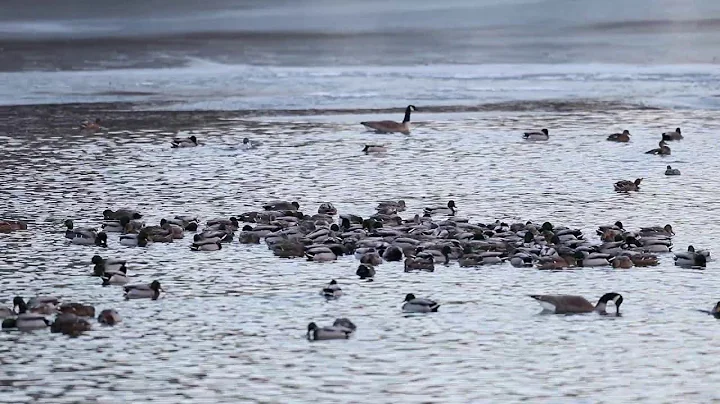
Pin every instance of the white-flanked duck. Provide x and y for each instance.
(419, 305)
(202, 244)
(392, 126)
(672, 171)
(151, 291)
(341, 329)
(691, 258)
(675, 135)
(543, 134)
(134, 240)
(26, 322)
(569, 304)
(662, 150)
(448, 210)
(108, 264)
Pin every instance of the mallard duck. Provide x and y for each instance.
(151, 291)
(26, 322)
(108, 214)
(108, 264)
(248, 144)
(115, 277)
(365, 271)
(655, 231)
(73, 232)
(371, 257)
(691, 258)
(392, 253)
(78, 309)
(327, 208)
(201, 244)
(118, 226)
(373, 148)
(109, 317)
(544, 134)
(391, 207)
(622, 262)
(315, 333)
(691, 252)
(231, 223)
(331, 290)
(662, 150)
(419, 305)
(392, 126)
(99, 239)
(248, 235)
(627, 186)
(282, 205)
(7, 226)
(676, 135)
(177, 232)
(320, 253)
(567, 304)
(448, 210)
(671, 171)
(644, 260)
(38, 305)
(134, 240)
(70, 324)
(585, 259)
(184, 142)
(620, 137)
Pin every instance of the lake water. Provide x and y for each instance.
(231, 326)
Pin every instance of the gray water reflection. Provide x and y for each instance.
(231, 326)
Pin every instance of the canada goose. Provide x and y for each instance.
(662, 150)
(108, 214)
(70, 324)
(567, 304)
(676, 135)
(184, 142)
(620, 137)
(6, 226)
(331, 290)
(151, 291)
(627, 186)
(371, 148)
(542, 135)
(392, 126)
(26, 322)
(715, 312)
(450, 210)
(315, 333)
(109, 317)
(78, 309)
(672, 171)
(419, 305)
(365, 271)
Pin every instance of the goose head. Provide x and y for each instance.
(616, 298)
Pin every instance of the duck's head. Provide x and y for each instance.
(163, 223)
(409, 297)
(97, 260)
(101, 239)
(626, 132)
(107, 213)
(295, 204)
(555, 239)
(528, 237)
(614, 297)
(446, 250)
(9, 323)
(69, 224)
(619, 224)
(545, 131)
(19, 305)
(638, 181)
(401, 203)
(234, 222)
(716, 309)
(669, 168)
(668, 228)
(547, 226)
(333, 282)
(312, 326)
(155, 285)
(677, 130)
(334, 227)
(198, 237)
(691, 248)
(451, 204)
(247, 227)
(246, 140)
(193, 138)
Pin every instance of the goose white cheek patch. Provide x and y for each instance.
(547, 305)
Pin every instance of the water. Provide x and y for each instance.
(230, 327)
(299, 76)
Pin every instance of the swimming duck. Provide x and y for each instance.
(282, 205)
(656, 231)
(26, 322)
(118, 226)
(176, 231)
(371, 257)
(644, 260)
(372, 148)
(108, 214)
(78, 309)
(109, 317)
(419, 305)
(38, 305)
(620, 137)
(88, 126)
(622, 262)
(72, 232)
(108, 264)
(392, 126)
(247, 144)
(217, 223)
(391, 207)
(676, 135)
(184, 142)
(84, 238)
(320, 253)
(327, 208)
(315, 333)
(690, 258)
(392, 253)
(627, 186)
(115, 277)
(450, 210)
(248, 235)
(568, 304)
(542, 135)
(365, 271)
(70, 324)
(425, 263)
(662, 150)
(201, 244)
(134, 240)
(6, 226)
(692, 252)
(332, 290)
(151, 291)
(672, 171)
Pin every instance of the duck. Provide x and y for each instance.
(115, 278)
(282, 206)
(391, 207)
(662, 150)
(108, 214)
(135, 240)
(676, 135)
(200, 244)
(78, 309)
(419, 305)
(691, 252)
(7, 226)
(425, 263)
(690, 258)
(247, 144)
(544, 134)
(365, 271)
(645, 260)
(108, 264)
(70, 324)
(373, 148)
(371, 257)
(26, 322)
(657, 231)
(320, 253)
(88, 126)
(37, 305)
(671, 171)
(392, 253)
(6, 312)
(392, 126)
(92, 239)
(450, 210)
(109, 317)
(315, 333)
(627, 186)
(151, 291)
(568, 304)
(622, 262)
(184, 142)
(72, 232)
(327, 208)
(331, 290)
(623, 137)
(177, 232)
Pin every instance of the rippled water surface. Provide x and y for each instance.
(230, 327)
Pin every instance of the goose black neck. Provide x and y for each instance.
(407, 115)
